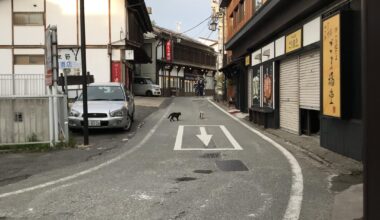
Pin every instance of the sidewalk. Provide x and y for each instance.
(15, 167)
(348, 202)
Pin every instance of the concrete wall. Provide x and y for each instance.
(35, 120)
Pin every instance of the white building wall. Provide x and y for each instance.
(29, 69)
(311, 32)
(63, 14)
(98, 64)
(280, 46)
(118, 13)
(97, 30)
(5, 22)
(29, 35)
(6, 61)
(28, 5)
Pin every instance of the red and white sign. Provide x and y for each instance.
(116, 71)
(48, 59)
(168, 49)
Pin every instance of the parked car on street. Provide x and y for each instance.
(145, 86)
(110, 105)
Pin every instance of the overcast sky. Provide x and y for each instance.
(166, 13)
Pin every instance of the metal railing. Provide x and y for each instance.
(22, 84)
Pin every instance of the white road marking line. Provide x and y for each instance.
(296, 192)
(84, 172)
(178, 141)
(231, 138)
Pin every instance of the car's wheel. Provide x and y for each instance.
(149, 93)
(128, 126)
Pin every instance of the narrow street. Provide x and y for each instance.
(210, 168)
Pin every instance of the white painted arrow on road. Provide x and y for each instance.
(204, 137)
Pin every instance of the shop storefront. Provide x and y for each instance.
(286, 81)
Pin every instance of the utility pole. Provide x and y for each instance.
(371, 107)
(84, 73)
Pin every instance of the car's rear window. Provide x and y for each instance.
(104, 93)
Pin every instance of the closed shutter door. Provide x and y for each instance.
(289, 95)
(310, 80)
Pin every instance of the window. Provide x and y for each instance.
(29, 59)
(28, 19)
(241, 11)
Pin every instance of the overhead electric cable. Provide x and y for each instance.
(196, 25)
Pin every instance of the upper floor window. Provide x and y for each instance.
(257, 4)
(29, 59)
(241, 11)
(28, 18)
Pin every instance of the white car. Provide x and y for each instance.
(145, 86)
(110, 105)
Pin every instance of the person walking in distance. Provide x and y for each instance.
(201, 86)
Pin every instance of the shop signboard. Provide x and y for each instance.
(69, 61)
(256, 86)
(116, 71)
(268, 79)
(168, 50)
(331, 66)
(48, 58)
(247, 60)
(293, 41)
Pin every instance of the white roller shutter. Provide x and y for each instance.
(289, 95)
(310, 80)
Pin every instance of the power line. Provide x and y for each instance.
(196, 25)
(208, 37)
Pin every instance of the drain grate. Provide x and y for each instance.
(203, 171)
(231, 165)
(211, 155)
(185, 179)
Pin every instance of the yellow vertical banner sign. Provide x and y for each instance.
(331, 67)
(247, 60)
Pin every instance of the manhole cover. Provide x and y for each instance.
(211, 155)
(203, 171)
(231, 165)
(185, 179)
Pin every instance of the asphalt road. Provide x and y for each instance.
(167, 172)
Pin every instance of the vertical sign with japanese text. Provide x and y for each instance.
(247, 60)
(331, 67)
(168, 49)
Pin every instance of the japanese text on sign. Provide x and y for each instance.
(331, 67)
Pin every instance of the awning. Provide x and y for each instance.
(231, 64)
(141, 56)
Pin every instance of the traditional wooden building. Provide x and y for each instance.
(177, 62)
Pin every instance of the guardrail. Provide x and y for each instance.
(22, 84)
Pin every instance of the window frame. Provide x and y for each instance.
(41, 56)
(28, 13)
